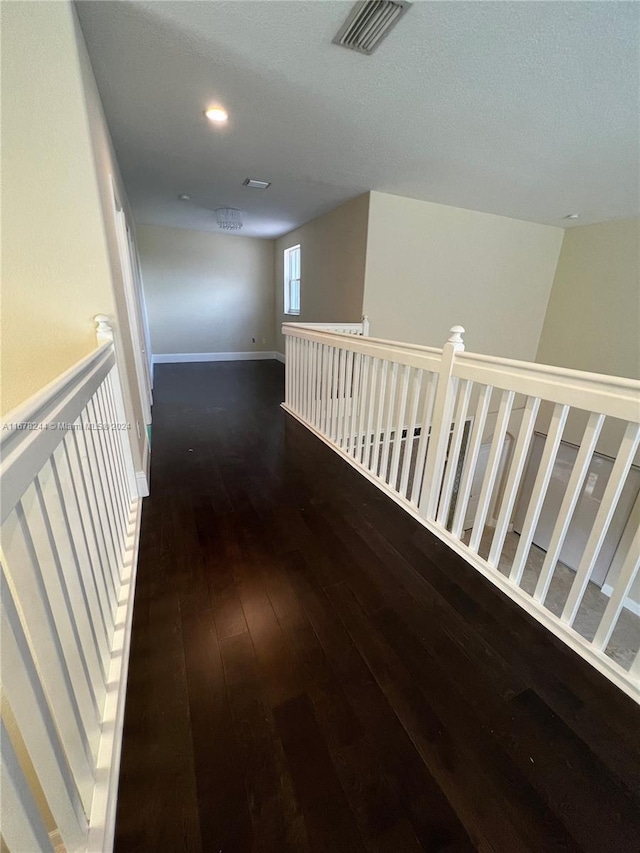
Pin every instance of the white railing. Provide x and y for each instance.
(69, 528)
(449, 436)
(361, 328)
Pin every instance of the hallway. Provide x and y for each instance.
(311, 670)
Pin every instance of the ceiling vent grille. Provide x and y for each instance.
(369, 22)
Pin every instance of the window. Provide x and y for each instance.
(292, 280)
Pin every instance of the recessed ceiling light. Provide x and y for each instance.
(216, 114)
(572, 216)
(184, 197)
(255, 184)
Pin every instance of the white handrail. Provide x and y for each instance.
(361, 328)
(69, 527)
(31, 433)
(304, 330)
(363, 396)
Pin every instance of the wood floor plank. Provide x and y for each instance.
(372, 793)
(225, 820)
(424, 803)
(278, 823)
(429, 732)
(312, 670)
(330, 822)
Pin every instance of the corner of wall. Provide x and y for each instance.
(549, 297)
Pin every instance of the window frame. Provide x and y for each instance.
(289, 280)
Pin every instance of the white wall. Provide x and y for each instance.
(107, 174)
(207, 293)
(430, 266)
(332, 259)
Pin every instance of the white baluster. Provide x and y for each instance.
(310, 379)
(423, 441)
(634, 670)
(287, 370)
(441, 424)
(367, 444)
(470, 461)
(495, 453)
(348, 400)
(608, 504)
(304, 403)
(335, 391)
(356, 402)
(388, 429)
(411, 428)
(554, 436)
(83, 478)
(571, 495)
(24, 691)
(315, 379)
(365, 374)
(104, 334)
(296, 374)
(459, 421)
(621, 589)
(326, 389)
(342, 397)
(377, 438)
(85, 545)
(397, 443)
(513, 479)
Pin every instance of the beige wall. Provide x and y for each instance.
(55, 272)
(593, 316)
(207, 292)
(60, 263)
(332, 259)
(430, 266)
(593, 323)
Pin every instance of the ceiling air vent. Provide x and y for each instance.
(368, 23)
(255, 184)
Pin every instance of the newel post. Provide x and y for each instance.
(365, 326)
(440, 425)
(104, 332)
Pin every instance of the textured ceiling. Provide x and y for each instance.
(525, 109)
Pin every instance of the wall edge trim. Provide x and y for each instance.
(184, 357)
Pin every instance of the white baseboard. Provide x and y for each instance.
(279, 357)
(179, 357)
(142, 482)
(143, 477)
(629, 603)
(102, 822)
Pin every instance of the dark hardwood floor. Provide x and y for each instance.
(311, 670)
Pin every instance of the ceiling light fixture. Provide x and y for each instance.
(184, 197)
(572, 216)
(216, 115)
(255, 184)
(229, 218)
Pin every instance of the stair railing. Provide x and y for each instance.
(70, 515)
(449, 435)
